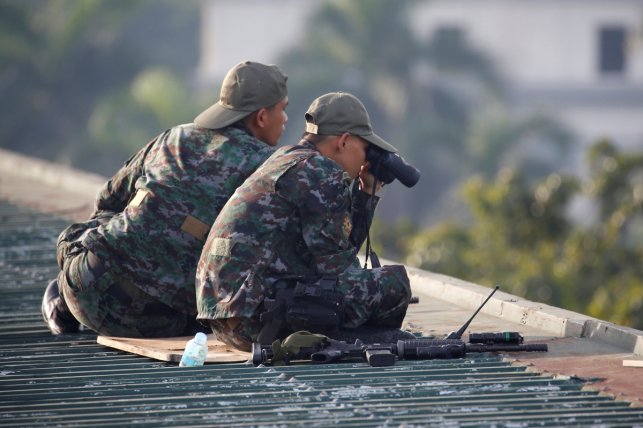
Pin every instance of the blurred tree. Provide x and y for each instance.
(391, 239)
(62, 57)
(521, 237)
(449, 52)
(362, 47)
(423, 95)
(536, 145)
(617, 183)
(125, 120)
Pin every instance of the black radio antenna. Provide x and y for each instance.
(458, 334)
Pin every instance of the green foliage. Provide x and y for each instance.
(68, 61)
(154, 100)
(617, 182)
(521, 237)
(536, 145)
(391, 239)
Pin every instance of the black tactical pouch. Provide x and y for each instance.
(313, 305)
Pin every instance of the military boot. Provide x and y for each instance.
(55, 312)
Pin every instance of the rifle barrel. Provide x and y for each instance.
(430, 349)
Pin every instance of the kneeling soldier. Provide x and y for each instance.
(129, 270)
(282, 254)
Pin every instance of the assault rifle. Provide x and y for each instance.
(385, 354)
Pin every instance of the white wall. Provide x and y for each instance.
(624, 125)
(540, 42)
(548, 50)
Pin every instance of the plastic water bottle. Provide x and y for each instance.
(196, 351)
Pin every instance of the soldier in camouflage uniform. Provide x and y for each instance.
(294, 229)
(129, 270)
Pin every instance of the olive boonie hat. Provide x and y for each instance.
(248, 86)
(339, 112)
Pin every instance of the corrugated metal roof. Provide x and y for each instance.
(72, 381)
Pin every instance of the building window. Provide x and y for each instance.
(612, 58)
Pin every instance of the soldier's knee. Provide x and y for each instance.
(399, 282)
(234, 332)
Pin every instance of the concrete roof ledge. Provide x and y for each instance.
(50, 173)
(616, 335)
(550, 319)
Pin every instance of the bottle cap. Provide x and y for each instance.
(200, 338)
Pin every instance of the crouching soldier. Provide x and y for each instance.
(129, 270)
(282, 254)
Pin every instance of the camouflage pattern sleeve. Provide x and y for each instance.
(172, 191)
(116, 193)
(323, 191)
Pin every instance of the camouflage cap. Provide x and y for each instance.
(339, 112)
(248, 87)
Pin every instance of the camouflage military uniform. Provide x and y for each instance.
(296, 216)
(129, 270)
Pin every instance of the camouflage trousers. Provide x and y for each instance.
(113, 306)
(376, 297)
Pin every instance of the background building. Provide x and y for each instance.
(579, 60)
(582, 60)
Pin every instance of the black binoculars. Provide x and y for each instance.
(387, 166)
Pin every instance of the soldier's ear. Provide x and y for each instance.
(343, 141)
(261, 118)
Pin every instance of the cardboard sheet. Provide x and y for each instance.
(170, 349)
